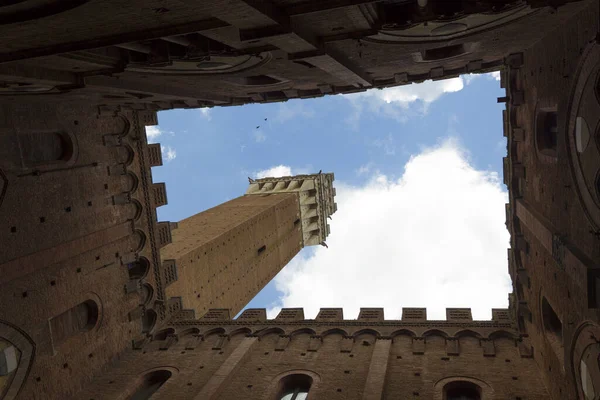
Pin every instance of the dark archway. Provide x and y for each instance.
(150, 384)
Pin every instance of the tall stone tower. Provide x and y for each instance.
(225, 255)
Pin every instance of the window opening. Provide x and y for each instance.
(294, 387)
(462, 390)
(547, 132)
(150, 384)
(81, 318)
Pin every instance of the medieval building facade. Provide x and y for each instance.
(100, 300)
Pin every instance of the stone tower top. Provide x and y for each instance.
(316, 193)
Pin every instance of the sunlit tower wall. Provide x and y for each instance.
(224, 256)
(316, 197)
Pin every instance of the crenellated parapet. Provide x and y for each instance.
(414, 330)
(413, 318)
(316, 194)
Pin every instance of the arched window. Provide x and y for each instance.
(39, 148)
(148, 321)
(150, 384)
(552, 325)
(81, 318)
(294, 387)
(546, 132)
(138, 269)
(462, 390)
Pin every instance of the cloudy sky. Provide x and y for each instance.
(420, 219)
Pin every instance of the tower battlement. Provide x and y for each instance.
(316, 197)
(365, 316)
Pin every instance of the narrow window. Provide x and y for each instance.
(593, 281)
(546, 132)
(462, 390)
(81, 318)
(148, 321)
(552, 323)
(294, 387)
(150, 384)
(263, 248)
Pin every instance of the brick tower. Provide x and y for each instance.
(224, 256)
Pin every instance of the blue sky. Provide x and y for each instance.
(389, 149)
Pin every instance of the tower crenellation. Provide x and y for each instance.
(316, 196)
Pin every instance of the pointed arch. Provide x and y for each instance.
(303, 330)
(163, 334)
(502, 334)
(265, 331)
(240, 331)
(403, 332)
(188, 332)
(435, 332)
(214, 331)
(367, 331)
(334, 331)
(468, 332)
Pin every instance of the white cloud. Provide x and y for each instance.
(427, 92)
(386, 144)
(364, 169)
(168, 153)
(293, 109)
(259, 136)
(490, 75)
(152, 133)
(433, 238)
(395, 102)
(402, 102)
(274, 172)
(206, 113)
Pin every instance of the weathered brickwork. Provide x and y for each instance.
(219, 253)
(75, 230)
(99, 300)
(222, 359)
(555, 245)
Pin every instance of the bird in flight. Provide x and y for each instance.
(258, 127)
